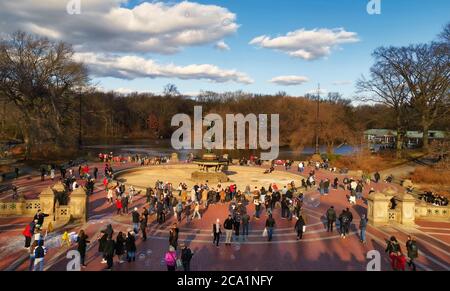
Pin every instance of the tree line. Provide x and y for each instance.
(46, 97)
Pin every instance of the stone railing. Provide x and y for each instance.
(393, 215)
(431, 212)
(19, 207)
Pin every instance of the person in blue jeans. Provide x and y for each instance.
(362, 228)
(245, 223)
(270, 224)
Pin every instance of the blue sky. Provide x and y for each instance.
(401, 22)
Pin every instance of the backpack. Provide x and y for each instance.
(413, 247)
(39, 252)
(345, 219)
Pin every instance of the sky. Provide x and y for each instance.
(259, 46)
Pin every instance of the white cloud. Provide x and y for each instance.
(307, 44)
(342, 83)
(290, 80)
(222, 46)
(108, 26)
(132, 67)
(314, 92)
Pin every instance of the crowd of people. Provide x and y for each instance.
(434, 199)
(164, 200)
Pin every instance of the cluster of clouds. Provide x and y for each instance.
(113, 39)
(132, 67)
(307, 44)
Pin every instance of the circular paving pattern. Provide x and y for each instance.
(240, 175)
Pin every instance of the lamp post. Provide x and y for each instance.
(80, 142)
(317, 149)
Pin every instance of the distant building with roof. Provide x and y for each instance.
(386, 138)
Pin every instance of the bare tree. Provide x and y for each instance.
(171, 90)
(39, 77)
(425, 69)
(386, 87)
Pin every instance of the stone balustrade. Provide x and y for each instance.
(77, 207)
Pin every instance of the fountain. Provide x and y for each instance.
(211, 169)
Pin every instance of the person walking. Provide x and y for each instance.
(135, 217)
(171, 259)
(362, 228)
(393, 249)
(82, 245)
(173, 236)
(28, 233)
(119, 206)
(270, 224)
(179, 210)
(228, 225)
(245, 224)
(217, 231)
(109, 252)
(187, 211)
(331, 218)
(186, 256)
(31, 251)
(197, 211)
(412, 252)
(343, 223)
(39, 253)
(130, 245)
(143, 226)
(120, 246)
(300, 226)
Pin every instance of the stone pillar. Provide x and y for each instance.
(406, 205)
(377, 209)
(46, 200)
(78, 204)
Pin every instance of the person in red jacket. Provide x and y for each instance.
(400, 262)
(119, 206)
(28, 234)
(105, 183)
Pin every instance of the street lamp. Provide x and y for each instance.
(317, 150)
(80, 142)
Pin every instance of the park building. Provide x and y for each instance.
(386, 138)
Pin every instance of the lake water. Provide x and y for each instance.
(163, 147)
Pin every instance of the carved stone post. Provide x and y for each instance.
(78, 204)
(406, 205)
(377, 210)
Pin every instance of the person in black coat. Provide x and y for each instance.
(186, 256)
(82, 244)
(143, 226)
(130, 245)
(331, 218)
(101, 246)
(110, 247)
(40, 216)
(299, 227)
(173, 236)
(120, 246)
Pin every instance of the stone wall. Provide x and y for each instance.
(430, 212)
(76, 209)
(407, 211)
(20, 207)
